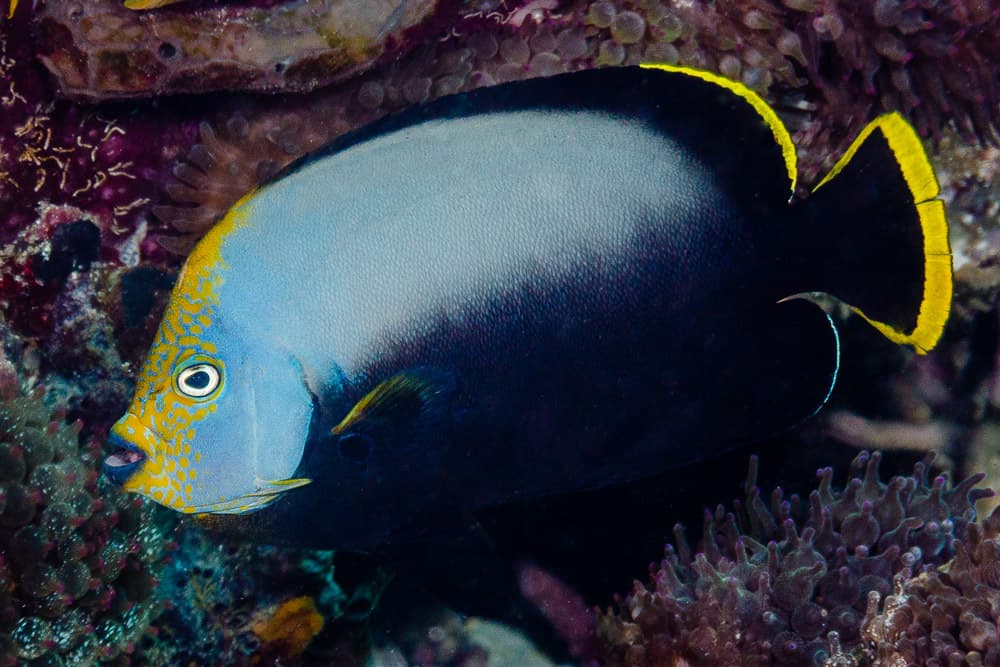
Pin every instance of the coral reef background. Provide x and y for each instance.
(79, 560)
(792, 582)
(100, 200)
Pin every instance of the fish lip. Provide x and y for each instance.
(124, 461)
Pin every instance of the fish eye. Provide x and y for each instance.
(198, 380)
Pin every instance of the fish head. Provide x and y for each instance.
(216, 425)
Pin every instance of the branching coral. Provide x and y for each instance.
(78, 560)
(770, 583)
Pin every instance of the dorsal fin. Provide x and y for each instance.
(770, 118)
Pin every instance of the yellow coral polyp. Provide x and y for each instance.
(292, 625)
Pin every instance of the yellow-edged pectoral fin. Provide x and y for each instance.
(404, 397)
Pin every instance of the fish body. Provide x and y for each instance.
(537, 288)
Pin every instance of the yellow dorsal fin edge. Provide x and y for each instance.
(781, 135)
(920, 179)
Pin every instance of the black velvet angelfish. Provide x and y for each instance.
(535, 288)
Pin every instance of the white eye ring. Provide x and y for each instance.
(199, 380)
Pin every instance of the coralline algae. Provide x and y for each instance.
(76, 184)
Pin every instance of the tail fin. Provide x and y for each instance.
(877, 220)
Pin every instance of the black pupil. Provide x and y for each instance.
(198, 380)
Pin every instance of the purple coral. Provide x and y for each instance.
(771, 582)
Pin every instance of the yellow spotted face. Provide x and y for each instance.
(220, 414)
(180, 386)
(183, 383)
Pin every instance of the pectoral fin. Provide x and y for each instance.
(400, 407)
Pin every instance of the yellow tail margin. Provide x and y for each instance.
(918, 173)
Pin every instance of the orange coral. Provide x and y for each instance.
(290, 625)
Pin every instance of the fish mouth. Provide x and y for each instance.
(124, 461)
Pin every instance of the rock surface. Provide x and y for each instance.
(111, 52)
